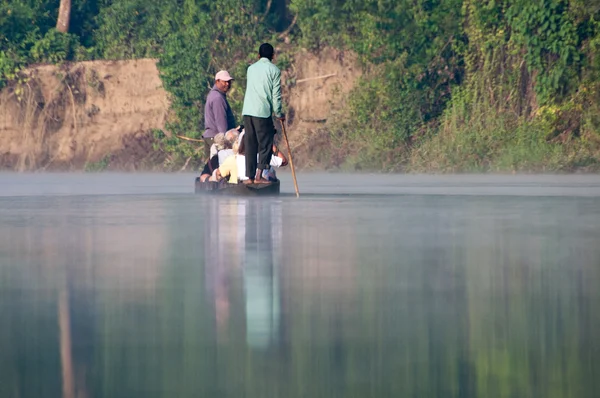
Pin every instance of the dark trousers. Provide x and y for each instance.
(258, 139)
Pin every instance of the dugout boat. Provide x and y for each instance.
(224, 188)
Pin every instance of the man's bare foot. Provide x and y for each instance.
(261, 181)
(258, 179)
(248, 181)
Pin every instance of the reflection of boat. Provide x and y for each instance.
(224, 188)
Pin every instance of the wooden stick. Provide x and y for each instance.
(287, 31)
(188, 138)
(316, 78)
(291, 160)
(267, 10)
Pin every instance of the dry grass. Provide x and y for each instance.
(24, 102)
(38, 118)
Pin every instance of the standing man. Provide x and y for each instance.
(218, 117)
(262, 99)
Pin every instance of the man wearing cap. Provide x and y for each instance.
(218, 117)
(262, 99)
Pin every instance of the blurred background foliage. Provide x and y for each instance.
(453, 85)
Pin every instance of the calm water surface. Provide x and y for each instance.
(123, 285)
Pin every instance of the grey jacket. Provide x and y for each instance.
(218, 117)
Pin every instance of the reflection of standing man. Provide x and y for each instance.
(262, 99)
(261, 282)
(218, 117)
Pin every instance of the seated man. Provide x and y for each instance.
(219, 152)
(230, 139)
(277, 160)
(228, 168)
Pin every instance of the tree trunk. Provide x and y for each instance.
(281, 10)
(64, 15)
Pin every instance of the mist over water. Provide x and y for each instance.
(124, 285)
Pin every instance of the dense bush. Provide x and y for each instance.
(448, 84)
(466, 85)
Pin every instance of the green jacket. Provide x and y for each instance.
(263, 90)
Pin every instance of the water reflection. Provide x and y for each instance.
(244, 240)
(423, 297)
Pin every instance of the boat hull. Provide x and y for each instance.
(221, 188)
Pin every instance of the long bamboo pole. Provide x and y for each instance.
(287, 143)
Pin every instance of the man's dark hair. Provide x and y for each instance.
(266, 51)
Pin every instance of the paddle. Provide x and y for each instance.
(291, 160)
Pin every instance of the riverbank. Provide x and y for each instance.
(113, 115)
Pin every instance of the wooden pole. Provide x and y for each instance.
(316, 78)
(181, 137)
(291, 160)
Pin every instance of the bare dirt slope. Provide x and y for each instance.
(93, 114)
(69, 116)
(317, 85)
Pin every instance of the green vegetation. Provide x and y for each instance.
(453, 85)
(468, 85)
(101, 165)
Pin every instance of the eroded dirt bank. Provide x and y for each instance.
(64, 118)
(101, 114)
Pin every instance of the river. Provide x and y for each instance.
(129, 285)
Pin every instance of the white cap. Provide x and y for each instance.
(223, 75)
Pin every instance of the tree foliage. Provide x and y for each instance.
(427, 62)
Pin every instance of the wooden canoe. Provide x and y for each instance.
(224, 188)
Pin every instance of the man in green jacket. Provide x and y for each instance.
(262, 99)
